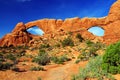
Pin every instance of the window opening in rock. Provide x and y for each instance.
(96, 30)
(35, 31)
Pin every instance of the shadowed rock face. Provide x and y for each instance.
(110, 23)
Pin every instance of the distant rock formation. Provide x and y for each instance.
(110, 23)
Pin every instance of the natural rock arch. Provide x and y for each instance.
(32, 24)
(35, 30)
(47, 25)
(109, 23)
(97, 31)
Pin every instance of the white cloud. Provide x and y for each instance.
(24, 0)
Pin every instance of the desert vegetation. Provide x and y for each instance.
(37, 68)
(103, 66)
(67, 42)
(42, 58)
(93, 70)
(70, 49)
(111, 59)
(59, 60)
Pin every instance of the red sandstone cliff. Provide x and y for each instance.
(110, 23)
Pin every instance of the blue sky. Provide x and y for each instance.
(35, 30)
(96, 30)
(14, 11)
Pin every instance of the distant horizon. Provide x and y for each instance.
(15, 11)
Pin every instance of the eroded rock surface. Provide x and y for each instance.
(110, 23)
(18, 37)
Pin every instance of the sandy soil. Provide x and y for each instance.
(53, 72)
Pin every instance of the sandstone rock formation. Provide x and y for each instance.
(18, 37)
(110, 23)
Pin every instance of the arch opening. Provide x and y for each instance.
(35, 31)
(97, 31)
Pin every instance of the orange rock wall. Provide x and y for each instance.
(110, 23)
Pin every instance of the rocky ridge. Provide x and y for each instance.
(110, 23)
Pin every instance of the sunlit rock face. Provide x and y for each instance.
(17, 37)
(110, 24)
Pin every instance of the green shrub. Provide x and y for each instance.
(83, 57)
(70, 33)
(112, 58)
(54, 59)
(14, 68)
(42, 58)
(119, 69)
(5, 66)
(67, 42)
(1, 57)
(39, 78)
(90, 51)
(5, 63)
(93, 70)
(44, 46)
(38, 68)
(89, 43)
(11, 57)
(57, 45)
(99, 45)
(60, 59)
(77, 61)
(113, 69)
(21, 53)
(41, 52)
(19, 47)
(105, 66)
(86, 54)
(79, 37)
(63, 58)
